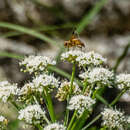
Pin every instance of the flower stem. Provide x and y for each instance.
(85, 86)
(66, 114)
(113, 103)
(72, 120)
(46, 119)
(72, 78)
(49, 105)
(118, 97)
(15, 105)
(71, 89)
(94, 120)
(39, 127)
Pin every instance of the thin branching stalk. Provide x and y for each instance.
(110, 105)
(72, 78)
(118, 97)
(90, 123)
(71, 89)
(72, 120)
(15, 105)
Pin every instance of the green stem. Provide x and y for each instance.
(66, 114)
(94, 120)
(71, 89)
(63, 73)
(39, 126)
(118, 97)
(46, 119)
(100, 98)
(78, 124)
(72, 78)
(85, 86)
(49, 105)
(15, 105)
(110, 105)
(72, 120)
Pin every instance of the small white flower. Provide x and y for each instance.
(81, 103)
(2, 118)
(123, 81)
(7, 90)
(38, 84)
(36, 63)
(71, 55)
(113, 119)
(99, 75)
(84, 75)
(90, 59)
(3, 122)
(64, 90)
(55, 126)
(46, 80)
(32, 114)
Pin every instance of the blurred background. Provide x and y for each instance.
(40, 27)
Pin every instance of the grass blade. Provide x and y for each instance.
(89, 16)
(28, 31)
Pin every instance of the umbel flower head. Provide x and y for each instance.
(71, 55)
(32, 114)
(98, 75)
(7, 90)
(90, 59)
(123, 81)
(113, 119)
(64, 90)
(55, 126)
(38, 84)
(83, 59)
(81, 103)
(36, 63)
(3, 122)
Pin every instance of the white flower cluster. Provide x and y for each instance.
(39, 83)
(7, 90)
(36, 63)
(66, 83)
(83, 59)
(71, 55)
(81, 103)
(55, 126)
(46, 80)
(31, 114)
(98, 75)
(123, 81)
(90, 59)
(64, 90)
(113, 119)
